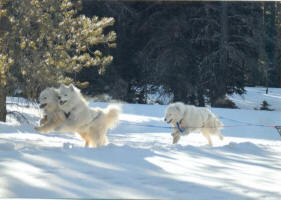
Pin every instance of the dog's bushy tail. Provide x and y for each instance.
(112, 115)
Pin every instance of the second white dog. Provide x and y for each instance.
(187, 118)
(91, 123)
(53, 116)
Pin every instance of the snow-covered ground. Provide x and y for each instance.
(256, 95)
(141, 162)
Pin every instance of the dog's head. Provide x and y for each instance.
(174, 113)
(66, 93)
(48, 99)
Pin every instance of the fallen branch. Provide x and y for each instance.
(19, 116)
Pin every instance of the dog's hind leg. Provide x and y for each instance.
(220, 135)
(85, 138)
(207, 136)
(101, 138)
(87, 142)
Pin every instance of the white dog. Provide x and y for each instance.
(187, 118)
(53, 116)
(91, 123)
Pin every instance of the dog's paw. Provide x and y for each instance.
(176, 138)
(43, 120)
(38, 128)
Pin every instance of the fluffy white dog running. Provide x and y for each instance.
(91, 123)
(187, 118)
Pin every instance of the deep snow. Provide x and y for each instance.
(141, 162)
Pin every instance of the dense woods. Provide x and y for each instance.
(196, 52)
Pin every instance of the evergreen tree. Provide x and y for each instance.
(46, 42)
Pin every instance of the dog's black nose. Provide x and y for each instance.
(59, 97)
(165, 119)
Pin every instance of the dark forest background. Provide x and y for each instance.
(196, 51)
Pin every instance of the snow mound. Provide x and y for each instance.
(7, 146)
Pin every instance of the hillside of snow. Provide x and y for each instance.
(140, 162)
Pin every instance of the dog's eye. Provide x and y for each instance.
(45, 98)
(65, 95)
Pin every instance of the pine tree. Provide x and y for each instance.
(44, 43)
(228, 32)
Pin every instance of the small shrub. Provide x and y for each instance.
(101, 98)
(265, 106)
(224, 103)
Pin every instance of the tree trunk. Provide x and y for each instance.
(277, 64)
(201, 99)
(220, 89)
(3, 110)
(270, 45)
(224, 36)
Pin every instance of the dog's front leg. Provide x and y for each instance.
(69, 125)
(66, 126)
(176, 136)
(46, 127)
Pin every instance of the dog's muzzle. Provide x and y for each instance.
(168, 121)
(43, 105)
(62, 102)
